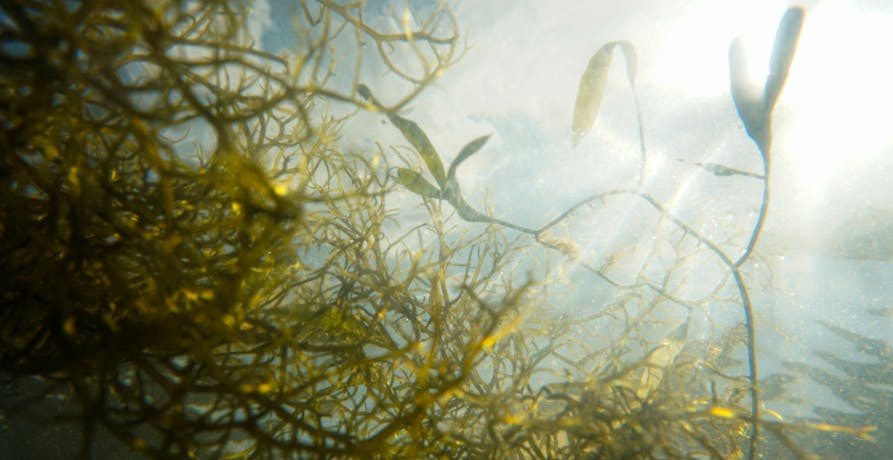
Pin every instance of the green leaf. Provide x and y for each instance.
(416, 183)
(754, 108)
(419, 140)
(470, 149)
(466, 212)
(590, 91)
(783, 50)
(747, 97)
(366, 94)
(592, 86)
(413, 134)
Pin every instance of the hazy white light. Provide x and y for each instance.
(838, 94)
(836, 106)
(694, 54)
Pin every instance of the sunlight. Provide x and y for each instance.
(838, 95)
(836, 99)
(694, 54)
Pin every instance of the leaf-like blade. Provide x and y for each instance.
(590, 91)
(629, 56)
(659, 359)
(721, 170)
(416, 183)
(470, 149)
(413, 134)
(452, 194)
(592, 86)
(747, 97)
(366, 93)
(782, 55)
(419, 140)
(466, 212)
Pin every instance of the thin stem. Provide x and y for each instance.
(748, 308)
(641, 132)
(761, 218)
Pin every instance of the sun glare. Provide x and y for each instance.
(694, 54)
(838, 94)
(836, 104)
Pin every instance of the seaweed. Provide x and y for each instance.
(195, 267)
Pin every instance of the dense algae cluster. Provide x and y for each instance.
(196, 269)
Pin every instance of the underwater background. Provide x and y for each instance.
(627, 225)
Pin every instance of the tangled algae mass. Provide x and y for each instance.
(196, 266)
